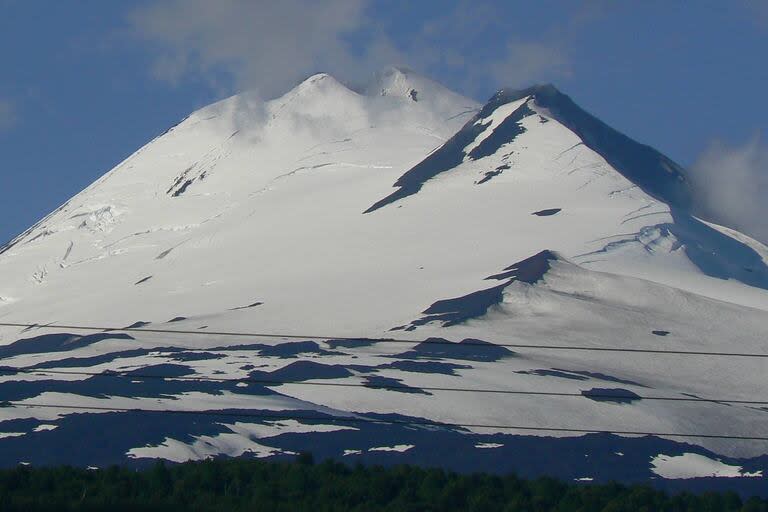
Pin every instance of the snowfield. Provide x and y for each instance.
(693, 465)
(405, 247)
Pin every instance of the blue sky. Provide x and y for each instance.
(85, 83)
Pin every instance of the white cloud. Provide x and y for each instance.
(731, 186)
(270, 46)
(451, 40)
(7, 115)
(254, 44)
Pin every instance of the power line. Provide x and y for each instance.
(462, 344)
(386, 387)
(364, 420)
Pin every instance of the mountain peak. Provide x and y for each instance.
(396, 82)
(508, 94)
(642, 165)
(317, 94)
(319, 81)
(415, 88)
(653, 172)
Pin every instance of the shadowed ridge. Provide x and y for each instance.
(530, 270)
(651, 171)
(458, 310)
(452, 152)
(654, 173)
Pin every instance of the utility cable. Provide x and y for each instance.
(442, 342)
(364, 420)
(386, 387)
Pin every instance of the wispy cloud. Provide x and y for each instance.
(731, 185)
(514, 57)
(7, 115)
(269, 46)
(252, 44)
(757, 10)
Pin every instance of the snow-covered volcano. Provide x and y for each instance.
(400, 211)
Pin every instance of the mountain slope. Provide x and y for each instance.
(525, 221)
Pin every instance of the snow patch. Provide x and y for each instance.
(4, 435)
(203, 447)
(232, 444)
(45, 428)
(276, 428)
(400, 448)
(488, 445)
(694, 465)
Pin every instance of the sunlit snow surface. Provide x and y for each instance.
(693, 465)
(497, 225)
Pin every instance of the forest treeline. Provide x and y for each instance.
(302, 485)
